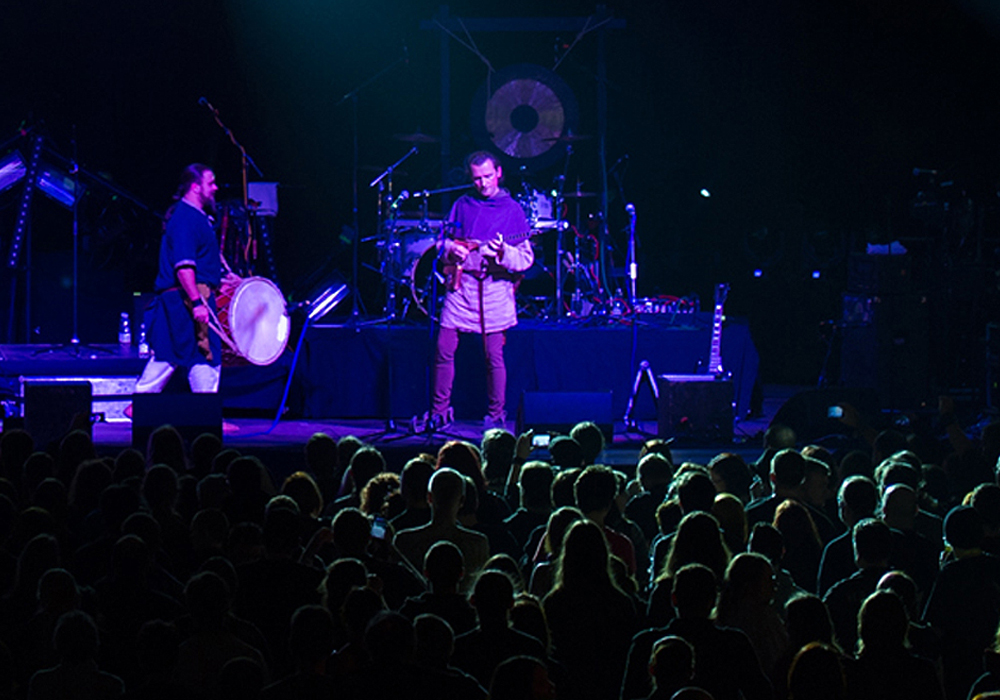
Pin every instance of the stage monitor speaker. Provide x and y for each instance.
(559, 411)
(54, 408)
(699, 409)
(190, 414)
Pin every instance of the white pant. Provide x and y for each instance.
(204, 379)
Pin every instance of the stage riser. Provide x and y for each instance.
(345, 373)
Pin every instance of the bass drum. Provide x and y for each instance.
(422, 278)
(254, 316)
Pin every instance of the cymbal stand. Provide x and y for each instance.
(357, 304)
(579, 271)
(558, 204)
(387, 210)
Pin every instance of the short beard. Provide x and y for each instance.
(208, 205)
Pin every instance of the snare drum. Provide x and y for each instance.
(254, 316)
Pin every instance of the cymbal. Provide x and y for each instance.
(568, 138)
(579, 195)
(416, 137)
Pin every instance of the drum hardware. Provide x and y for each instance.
(388, 206)
(352, 97)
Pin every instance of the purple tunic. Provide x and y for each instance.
(484, 277)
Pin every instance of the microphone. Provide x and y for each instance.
(403, 196)
(205, 103)
(630, 208)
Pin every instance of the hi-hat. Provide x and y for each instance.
(416, 137)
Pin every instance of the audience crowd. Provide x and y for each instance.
(860, 567)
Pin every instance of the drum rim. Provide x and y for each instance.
(245, 284)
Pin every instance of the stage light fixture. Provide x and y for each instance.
(12, 169)
(24, 207)
(816, 274)
(705, 193)
(758, 273)
(57, 185)
(324, 302)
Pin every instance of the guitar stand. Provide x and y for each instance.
(644, 375)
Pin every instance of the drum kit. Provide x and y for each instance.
(408, 242)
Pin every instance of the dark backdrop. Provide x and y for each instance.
(803, 120)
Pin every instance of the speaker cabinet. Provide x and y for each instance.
(698, 408)
(888, 350)
(558, 412)
(190, 414)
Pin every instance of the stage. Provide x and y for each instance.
(380, 371)
(361, 379)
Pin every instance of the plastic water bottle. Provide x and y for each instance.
(124, 333)
(143, 345)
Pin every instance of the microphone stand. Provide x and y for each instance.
(643, 373)
(245, 161)
(352, 96)
(388, 220)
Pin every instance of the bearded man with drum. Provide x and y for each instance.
(190, 271)
(480, 298)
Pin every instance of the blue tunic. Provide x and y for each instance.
(188, 241)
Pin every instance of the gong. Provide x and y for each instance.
(526, 116)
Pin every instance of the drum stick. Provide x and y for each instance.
(213, 323)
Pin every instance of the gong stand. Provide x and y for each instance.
(602, 21)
